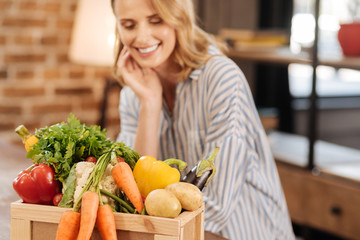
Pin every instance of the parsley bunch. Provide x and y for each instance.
(64, 144)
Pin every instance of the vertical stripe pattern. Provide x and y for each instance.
(214, 107)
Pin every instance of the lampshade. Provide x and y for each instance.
(93, 34)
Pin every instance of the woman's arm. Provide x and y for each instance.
(147, 140)
(147, 88)
(229, 113)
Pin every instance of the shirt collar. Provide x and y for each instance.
(194, 75)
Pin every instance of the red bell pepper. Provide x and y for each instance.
(36, 184)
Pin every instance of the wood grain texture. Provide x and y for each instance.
(44, 219)
(322, 201)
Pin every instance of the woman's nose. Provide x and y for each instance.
(143, 33)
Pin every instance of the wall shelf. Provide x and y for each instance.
(283, 55)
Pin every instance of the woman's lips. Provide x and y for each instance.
(149, 49)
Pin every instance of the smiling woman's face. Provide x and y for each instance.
(149, 39)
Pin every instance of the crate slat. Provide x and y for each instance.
(28, 220)
(20, 229)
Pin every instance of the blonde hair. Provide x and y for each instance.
(191, 49)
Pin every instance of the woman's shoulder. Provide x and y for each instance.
(220, 65)
(219, 59)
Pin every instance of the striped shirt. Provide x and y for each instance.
(214, 107)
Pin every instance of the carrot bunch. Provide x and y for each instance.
(79, 225)
(74, 225)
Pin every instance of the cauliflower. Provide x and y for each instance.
(83, 171)
(108, 184)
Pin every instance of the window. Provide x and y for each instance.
(331, 82)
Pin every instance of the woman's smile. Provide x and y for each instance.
(148, 49)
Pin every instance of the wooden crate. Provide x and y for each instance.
(38, 222)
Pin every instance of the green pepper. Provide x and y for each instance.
(151, 174)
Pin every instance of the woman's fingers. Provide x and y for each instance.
(144, 81)
(123, 58)
(133, 65)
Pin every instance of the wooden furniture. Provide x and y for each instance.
(39, 222)
(323, 201)
(283, 55)
(326, 198)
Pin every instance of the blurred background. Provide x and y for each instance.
(41, 81)
(56, 58)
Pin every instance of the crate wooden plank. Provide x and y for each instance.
(20, 229)
(35, 212)
(139, 223)
(162, 237)
(46, 231)
(40, 222)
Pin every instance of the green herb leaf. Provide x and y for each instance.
(64, 144)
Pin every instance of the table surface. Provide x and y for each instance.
(12, 161)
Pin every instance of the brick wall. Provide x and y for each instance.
(39, 86)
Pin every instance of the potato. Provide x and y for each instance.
(188, 194)
(162, 203)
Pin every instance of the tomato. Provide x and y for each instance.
(57, 198)
(91, 159)
(120, 159)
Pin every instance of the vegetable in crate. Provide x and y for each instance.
(162, 203)
(36, 184)
(64, 144)
(28, 139)
(190, 196)
(81, 172)
(107, 182)
(90, 196)
(203, 172)
(151, 174)
(124, 179)
(69, 225)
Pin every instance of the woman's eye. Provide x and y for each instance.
(156, 21)
(127, 24)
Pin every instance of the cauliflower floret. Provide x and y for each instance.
(82, 172)
(107, 182)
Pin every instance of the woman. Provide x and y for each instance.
(182, 98)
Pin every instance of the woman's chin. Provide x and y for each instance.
(147, 64)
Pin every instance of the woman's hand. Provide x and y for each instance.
(147, 87)
(143, 81)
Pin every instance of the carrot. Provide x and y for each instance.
(125, 180)
(89, 207)
(68, 228)
(105, 222)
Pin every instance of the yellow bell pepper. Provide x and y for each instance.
(28, 139)
(151, 174)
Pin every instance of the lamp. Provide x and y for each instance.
(92, 41)
(93, 33)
